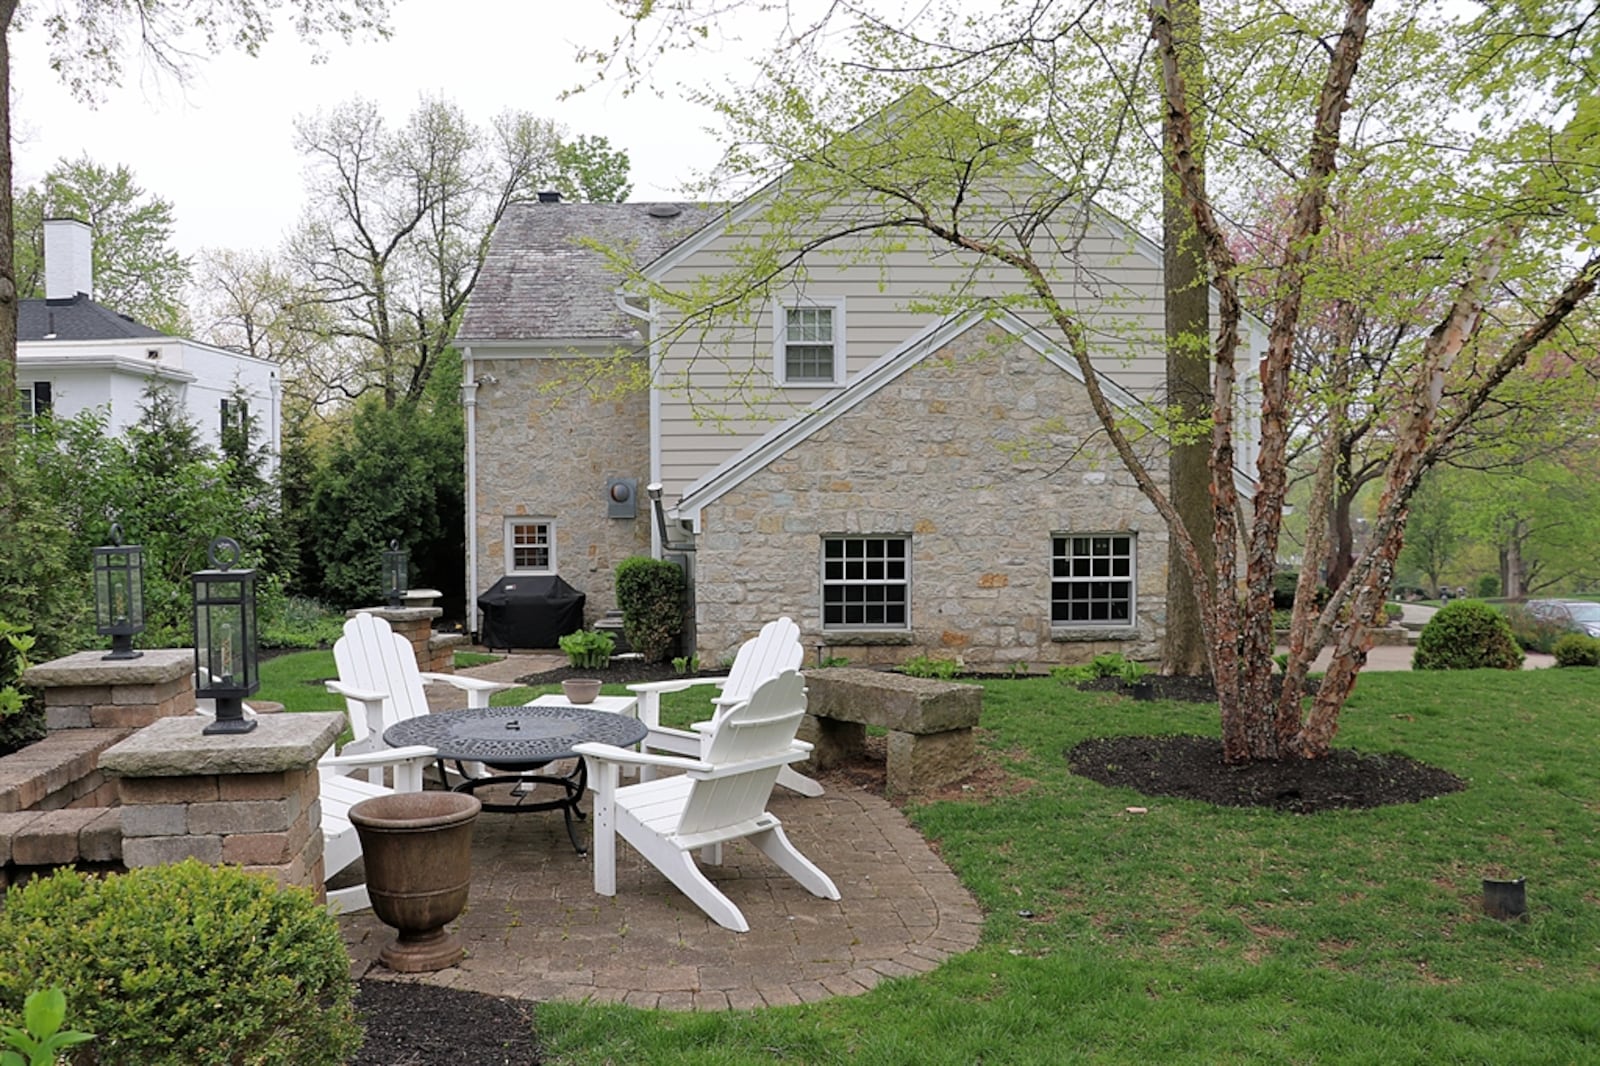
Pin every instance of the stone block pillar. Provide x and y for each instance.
(89, 691)
(249, 799)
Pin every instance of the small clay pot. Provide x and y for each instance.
(581, 689)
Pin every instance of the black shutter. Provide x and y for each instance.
(41, 397)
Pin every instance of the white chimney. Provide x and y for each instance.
(68, 259)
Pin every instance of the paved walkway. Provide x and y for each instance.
(534, 928)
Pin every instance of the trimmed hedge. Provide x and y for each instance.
(185, 964)
(1577, 649)
(650, 593)
(1467, 635)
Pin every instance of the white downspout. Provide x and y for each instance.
(469, 401)
(657, 546)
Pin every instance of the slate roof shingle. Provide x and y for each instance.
(540, 281)
(77, 319)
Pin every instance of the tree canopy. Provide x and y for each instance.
(137, 271)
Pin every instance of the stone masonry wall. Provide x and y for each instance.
(980, 452)
(545, 449)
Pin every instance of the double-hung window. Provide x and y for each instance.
(33, 399)
(530, 546)
(866, 582)
(808, 346)
(1092, 580)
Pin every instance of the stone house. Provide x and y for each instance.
(900, 482)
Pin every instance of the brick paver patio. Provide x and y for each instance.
(534, 928)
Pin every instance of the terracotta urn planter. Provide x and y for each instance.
(417, 847)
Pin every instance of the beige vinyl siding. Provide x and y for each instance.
(718, 395)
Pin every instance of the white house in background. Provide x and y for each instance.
(74, 355)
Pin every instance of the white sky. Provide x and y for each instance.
(222, 150)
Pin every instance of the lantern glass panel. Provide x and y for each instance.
(119, 590)
(225, 634)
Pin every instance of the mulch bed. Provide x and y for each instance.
(1192, 768)
(424, 1025)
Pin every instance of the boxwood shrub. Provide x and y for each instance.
(1467, 635)
(185, 964)
(1577, 649)
(650, 594)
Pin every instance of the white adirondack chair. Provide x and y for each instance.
(766, 655)
(381, 685)
(719, 797)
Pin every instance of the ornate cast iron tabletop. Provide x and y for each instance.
(519, 740)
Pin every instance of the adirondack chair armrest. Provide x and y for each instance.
(477, 689)
(413, 753)
(709, 772)
(407, 764)
(607, 753)
(677, 684)
(360, 695)
(649, 693)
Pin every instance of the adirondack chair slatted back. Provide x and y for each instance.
(372, 656)
(769, 653)
(763, 725)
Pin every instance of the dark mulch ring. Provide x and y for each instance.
(1192, 768)
(424, 1025)
(620, 672)
(1180, 689)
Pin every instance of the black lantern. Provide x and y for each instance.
(225, 637)
(119, 594)
(396, 574)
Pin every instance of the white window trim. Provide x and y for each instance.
(1097, 630)
(780, 322)
(510, 545)
(822, 584)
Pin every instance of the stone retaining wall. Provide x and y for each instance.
(250, 799)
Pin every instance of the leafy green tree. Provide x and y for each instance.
(905, 141)
(591, 170)
(1432, 532)
(137, 271)
(391, 474)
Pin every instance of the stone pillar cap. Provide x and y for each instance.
(176, 747)
(155, 666)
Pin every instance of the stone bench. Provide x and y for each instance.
(929, 722)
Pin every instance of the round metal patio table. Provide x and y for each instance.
(518, 741)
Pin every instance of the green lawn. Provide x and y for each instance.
(1197, 935)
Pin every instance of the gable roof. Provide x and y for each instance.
(540, 278)
(77, 319)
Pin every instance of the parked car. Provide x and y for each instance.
(1580, 616)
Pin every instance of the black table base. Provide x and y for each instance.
(516, 743)
(572, 787)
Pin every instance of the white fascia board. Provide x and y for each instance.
(115, 364)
